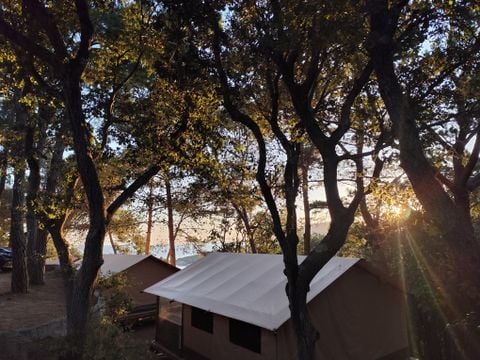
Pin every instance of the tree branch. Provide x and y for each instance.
(27, 44)
(86, 32)
(144, 178)
(111, 102)
(344, 123)
(37, 13)
(245, 120)
(130, 191)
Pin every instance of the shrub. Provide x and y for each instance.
(114, 299)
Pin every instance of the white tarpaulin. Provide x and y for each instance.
(246, 287)
(115, 263)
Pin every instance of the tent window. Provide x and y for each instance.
(202, 320)
(245, 335)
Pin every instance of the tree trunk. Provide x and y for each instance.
(68, 65)
(3, 171)
(55, 225)
(36, 270)
(457, 235)
(307, 335)
(307, 235)
(149, 219)
(55, 228)
(298, 276)
(454, 255)
(243, 215)
(249, 230)
(110, 237)
(53, 174)
(420, 172)
(171, 258)
(35, 261)
(18, 241)
(78, 307)
(37, 237)
(149, 231)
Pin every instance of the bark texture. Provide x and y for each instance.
(36, 243)
(18, 240)
(77, 308)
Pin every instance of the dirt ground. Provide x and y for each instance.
(42, 304)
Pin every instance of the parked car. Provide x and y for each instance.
(5, 259)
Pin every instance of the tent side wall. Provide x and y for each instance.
(142, 275)
(358, 317)
(169, 324)
(217, 345)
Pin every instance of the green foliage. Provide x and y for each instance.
(356, 244)
(105, 341)
(127, 232)
(113, 294)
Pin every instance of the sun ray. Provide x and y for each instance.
(432, 281)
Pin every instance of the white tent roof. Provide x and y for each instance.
(113, 264)
(246, 287)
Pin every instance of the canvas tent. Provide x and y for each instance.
(140, 271)
(235, 307)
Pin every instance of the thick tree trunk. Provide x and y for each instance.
(37, 237)
(171, 258)
(35, 260)
(306, 333)
(298, 286)
(36, 270)
(78, 307)
(420, 172)
(55, 228)
(18, 241)
(32, 235)
(457, 234)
